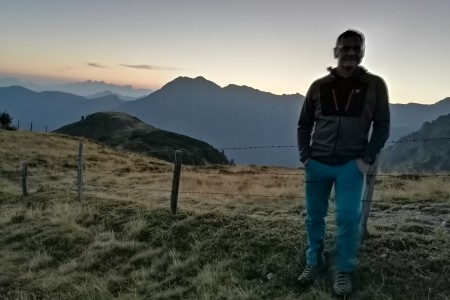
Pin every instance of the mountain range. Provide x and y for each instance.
(406, 118)
(51, 110)
(87, 88)
(228, 117)
(261, 125)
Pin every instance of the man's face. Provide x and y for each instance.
(349, 52)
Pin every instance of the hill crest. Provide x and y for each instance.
(123, 131)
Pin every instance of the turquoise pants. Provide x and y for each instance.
(348, 184)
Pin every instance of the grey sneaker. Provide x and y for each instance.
(342, 284)
(309, 274)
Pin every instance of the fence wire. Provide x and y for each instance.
(374, 201)
(286, 146)
(256, 173)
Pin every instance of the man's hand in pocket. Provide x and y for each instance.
(362, 166)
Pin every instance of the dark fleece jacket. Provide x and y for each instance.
(337, 115)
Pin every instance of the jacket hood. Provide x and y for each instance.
(358, 72)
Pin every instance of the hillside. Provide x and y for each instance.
(239, 233)
(126, 132)
(419, 151)
(407, 118)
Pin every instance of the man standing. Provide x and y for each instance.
(334, 146)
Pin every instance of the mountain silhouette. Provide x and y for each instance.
(233, 116)
(109, 93)
(427, 149)
(123, 131)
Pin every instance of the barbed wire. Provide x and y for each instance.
(400, 176)
(408, 175)
(405, 176)
(240, 173)
(124, 171)
(207, 193)
(374, 201)
(419, 140)
(283, 146)
(88, 185)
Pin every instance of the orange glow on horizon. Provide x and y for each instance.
(61, 78)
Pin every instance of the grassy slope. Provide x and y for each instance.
(120, 242)
(123, 131)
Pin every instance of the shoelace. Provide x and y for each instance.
(342, 282)
(308, 272)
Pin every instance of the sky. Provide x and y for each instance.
(275, 46)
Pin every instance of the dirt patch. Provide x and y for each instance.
(426, 215)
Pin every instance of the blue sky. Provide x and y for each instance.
(275, 46)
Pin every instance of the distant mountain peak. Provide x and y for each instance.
(241, 87)
(190, 79)
(94, 81)
(183, 84)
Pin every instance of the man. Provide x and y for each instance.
(334, 146)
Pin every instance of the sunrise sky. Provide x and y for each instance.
(275, 46)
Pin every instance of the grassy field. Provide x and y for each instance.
(228, 241)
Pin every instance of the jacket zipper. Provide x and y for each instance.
(349, 99)
(337, 136)
(339, 120)
(335, 101)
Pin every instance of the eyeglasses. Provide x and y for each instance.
(357, 48)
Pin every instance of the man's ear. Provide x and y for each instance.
(336, 52)
(363, 52)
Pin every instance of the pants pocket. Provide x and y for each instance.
(358, 168)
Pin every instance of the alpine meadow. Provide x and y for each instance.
(224, 150)
(238, 234)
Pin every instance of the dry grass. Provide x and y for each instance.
(231, 239)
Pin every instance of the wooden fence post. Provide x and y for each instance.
(24, 179)
(176, 182)
(80, 171)
(367, 197)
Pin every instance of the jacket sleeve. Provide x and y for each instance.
(305, 126)
(381, 123)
